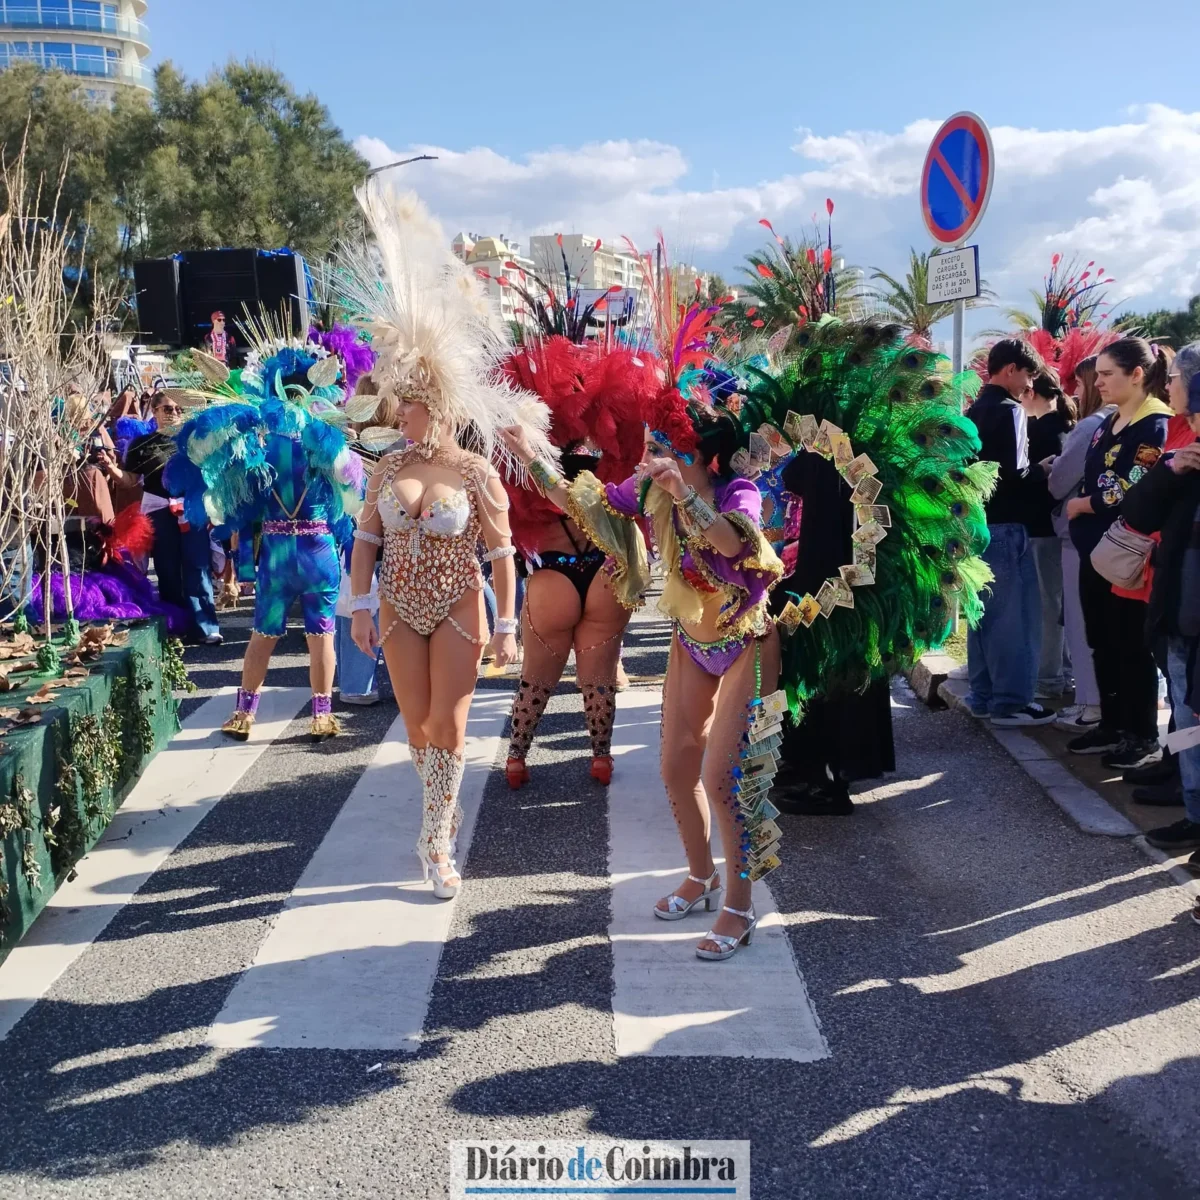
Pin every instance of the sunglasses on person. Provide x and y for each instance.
(170, 410)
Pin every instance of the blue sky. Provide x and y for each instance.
(703, 117)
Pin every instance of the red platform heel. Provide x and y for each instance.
(602, 769)
(516, 772)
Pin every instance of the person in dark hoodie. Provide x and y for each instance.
(1003, 651)
(1123, 450)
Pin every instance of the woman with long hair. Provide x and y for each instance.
(1051, 418)
(719, 569)
(1128, 443)
(1066, 474)
(724, 652)
(430, 505)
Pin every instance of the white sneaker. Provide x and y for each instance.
(365, 700)
(1079, 718)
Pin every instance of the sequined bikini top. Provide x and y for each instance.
(447, 516)
(430, 560)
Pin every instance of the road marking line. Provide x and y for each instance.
(666, 1001)
(351, 960)
(177, 790)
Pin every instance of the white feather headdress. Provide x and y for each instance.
(439, 338)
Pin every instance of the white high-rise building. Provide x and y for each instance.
(594, 268)
(103, 42)
(494, 259)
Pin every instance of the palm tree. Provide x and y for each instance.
(906, 302)
(788, 285)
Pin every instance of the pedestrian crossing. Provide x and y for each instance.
(351, 959)
(176, 792)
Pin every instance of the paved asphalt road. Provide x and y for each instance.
(1009, 1005)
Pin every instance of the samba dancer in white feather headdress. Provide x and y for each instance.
(438, 336)
(429, 505)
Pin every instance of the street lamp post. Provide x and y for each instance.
(402, 163)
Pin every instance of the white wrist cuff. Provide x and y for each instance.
(507, 625)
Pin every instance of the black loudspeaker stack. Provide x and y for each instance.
(159, 305)
(176, 297)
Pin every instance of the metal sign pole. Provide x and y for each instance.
(960, 309)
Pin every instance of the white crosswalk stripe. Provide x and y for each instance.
(351, 961)
(176, 792)
(667, 1001)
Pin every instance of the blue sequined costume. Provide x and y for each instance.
(268, 458)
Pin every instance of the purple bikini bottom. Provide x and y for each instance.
(714, 657)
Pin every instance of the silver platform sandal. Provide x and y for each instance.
(678, 908)
(729, 945)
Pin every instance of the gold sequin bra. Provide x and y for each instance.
(430, 560)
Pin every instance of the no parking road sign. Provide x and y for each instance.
(957, 180)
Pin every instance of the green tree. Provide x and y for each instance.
(236, 160)
(242, 160)
(906, 302)
(65, 140)
(1175, 328)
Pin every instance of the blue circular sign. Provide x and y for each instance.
(957, 179)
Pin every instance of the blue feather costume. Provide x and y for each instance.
(268, 458)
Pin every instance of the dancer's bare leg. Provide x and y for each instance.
(689, 696)
(721, 756)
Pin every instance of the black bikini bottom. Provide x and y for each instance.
(580, 569)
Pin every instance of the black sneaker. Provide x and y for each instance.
(1097, 741)
(1031, 714)
(1166, 770)
(1133, 752)
(1161, 795)
(1183, 835)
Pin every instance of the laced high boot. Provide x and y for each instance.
(419, 754)
(441, 781)
(600, 709)
(528, 705)
(238, 726)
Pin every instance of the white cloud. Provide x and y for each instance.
(1127, 195)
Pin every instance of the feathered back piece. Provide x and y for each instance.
(346, 342)
(438, 339)
(1065, 353)
(908, 465)
(595, 395)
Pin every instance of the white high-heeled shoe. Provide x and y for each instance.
(442, 873)
(678, 908)
(729, 946)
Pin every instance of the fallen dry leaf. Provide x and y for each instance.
(9, 714)
(77, 673)
(27, 716)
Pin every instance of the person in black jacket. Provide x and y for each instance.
(1003, 650)
(181, 555)
(1123, 450)
(1167, 500)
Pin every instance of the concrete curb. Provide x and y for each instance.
(1085, 806)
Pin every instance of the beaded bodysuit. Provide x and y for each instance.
(430, 560)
